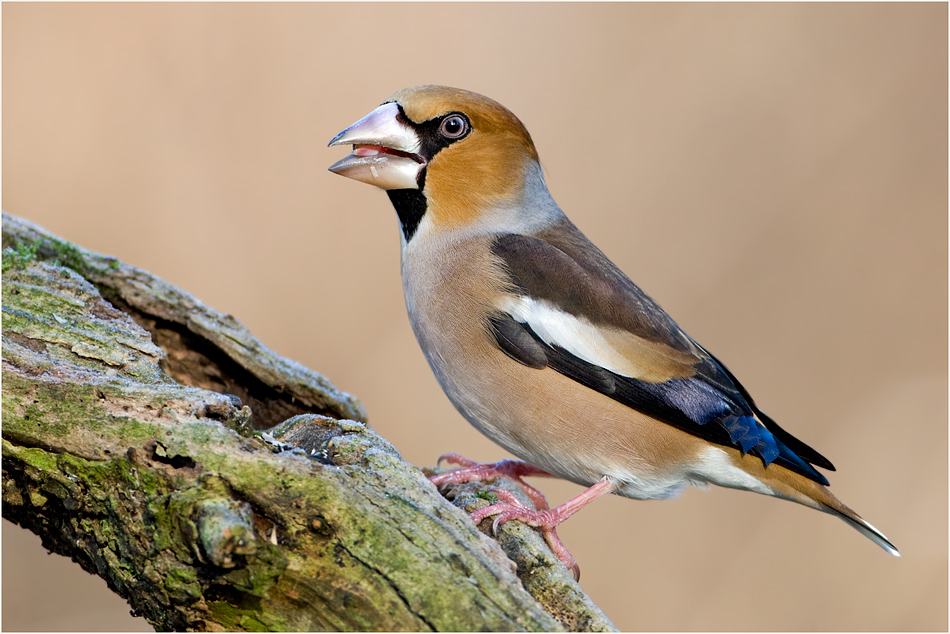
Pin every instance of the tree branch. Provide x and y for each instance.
(129, 410)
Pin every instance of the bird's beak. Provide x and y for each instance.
(385, 151)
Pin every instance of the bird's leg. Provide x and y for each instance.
(547, 520)
(472, 471)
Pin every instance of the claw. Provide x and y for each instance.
(498, 521)
(454, 458)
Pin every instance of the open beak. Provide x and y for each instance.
(384, 151)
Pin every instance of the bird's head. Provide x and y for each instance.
(453, 152)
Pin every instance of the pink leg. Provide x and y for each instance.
(547, 520)
(472, 471)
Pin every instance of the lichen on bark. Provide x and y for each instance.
(129, 445)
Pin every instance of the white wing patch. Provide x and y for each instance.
(576, 335)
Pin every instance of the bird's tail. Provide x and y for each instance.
(855, 521)
(792, 486)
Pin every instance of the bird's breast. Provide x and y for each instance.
(450, 290)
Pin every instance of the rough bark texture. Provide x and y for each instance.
(129, 445)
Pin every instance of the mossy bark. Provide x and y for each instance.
(129, 445)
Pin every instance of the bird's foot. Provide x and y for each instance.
(472, 471)
(546, 520)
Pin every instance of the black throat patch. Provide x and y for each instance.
(410, 205)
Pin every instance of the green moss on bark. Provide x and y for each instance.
(132, 466)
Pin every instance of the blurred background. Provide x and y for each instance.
(775, 176)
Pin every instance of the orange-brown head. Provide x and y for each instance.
(445, 152)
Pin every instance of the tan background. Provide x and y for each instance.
(774, 175)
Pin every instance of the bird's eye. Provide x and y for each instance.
(454, 127)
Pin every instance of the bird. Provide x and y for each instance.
(542, 343)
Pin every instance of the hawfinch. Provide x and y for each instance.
(542, 343)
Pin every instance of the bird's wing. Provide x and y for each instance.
(571, 309)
